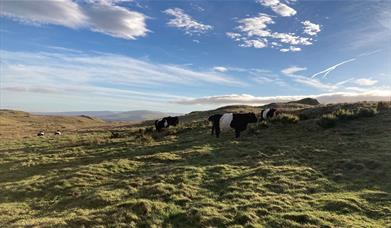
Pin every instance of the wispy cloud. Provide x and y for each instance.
(98, 70)
(220, 69)
(292, 70)
(365, 81)
(185, 22)
(100, 16)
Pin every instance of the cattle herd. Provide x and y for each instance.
(220, 122)
(223, 122)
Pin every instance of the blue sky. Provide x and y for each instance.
(180, 56)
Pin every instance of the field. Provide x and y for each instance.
(285, 175)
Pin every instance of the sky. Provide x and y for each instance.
(181, 56)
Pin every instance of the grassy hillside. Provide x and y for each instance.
(16, 124)
(136, 115)
(286, 175)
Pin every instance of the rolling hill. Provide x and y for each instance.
(16, 124)
(278, 174)
(137, 115)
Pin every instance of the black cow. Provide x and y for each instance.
(268, 113)
(237, 121)
(166, 122)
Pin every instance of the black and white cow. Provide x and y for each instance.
(268, 113)
(58, 132)
(41, 133)
(166, 122)
(237, 121)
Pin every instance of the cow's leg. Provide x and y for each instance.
(217, 131)
(237, 133)
(213, 128)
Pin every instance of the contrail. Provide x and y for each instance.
(330, 69)
(370, 53)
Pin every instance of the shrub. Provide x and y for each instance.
(366, 112)
(285, 118)
(345, 114)
(327, 121)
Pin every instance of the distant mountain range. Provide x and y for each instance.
(137, 115)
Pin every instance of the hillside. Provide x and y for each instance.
(15, 124)
(137, 115)
(285, 175)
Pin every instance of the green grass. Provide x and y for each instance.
(295, 175)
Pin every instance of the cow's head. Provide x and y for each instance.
(172, 120)
(175, 120)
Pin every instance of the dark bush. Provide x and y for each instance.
(327, 121)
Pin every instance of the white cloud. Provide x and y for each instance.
(330, 69)
(278, 7)
(64, 12)
(291, 38)
(292, 70)
(336, 97)
(254, 32)
(256, 26)
(291, 48)
(186, 22)
(115, 21)
(311, 28)
(365, 82)
(234, 36)
(220, 69)
(100, 16)
(259, 43)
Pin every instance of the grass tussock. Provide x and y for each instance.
(343, 115)
(285, 118)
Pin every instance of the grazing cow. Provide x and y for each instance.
(268, 113)
(237, 121)
(58, 132)
(41, 133)
(166, 122)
